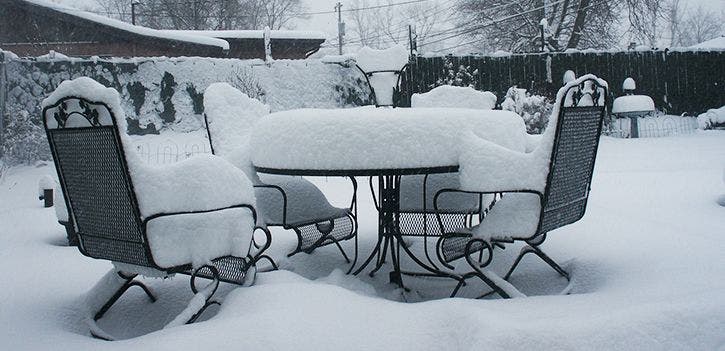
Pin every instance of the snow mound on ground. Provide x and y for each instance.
(712, 117)
(452, 96)
(633, 103)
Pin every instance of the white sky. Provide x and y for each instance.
(328, 22)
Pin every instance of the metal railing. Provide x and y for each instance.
(652, 127)
(169, 151)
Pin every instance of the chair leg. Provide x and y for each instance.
(126, 281)
(203, 298)
(534, 249)
(498, 284)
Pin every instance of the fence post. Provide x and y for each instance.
(3, 94)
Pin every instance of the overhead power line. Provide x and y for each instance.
(596, 2)
(492, 22)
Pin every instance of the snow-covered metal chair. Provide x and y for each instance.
(382, 70)
(542, 190)
(154, 221)
(285, 201)
(417, 217)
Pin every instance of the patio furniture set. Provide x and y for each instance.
(469, 180)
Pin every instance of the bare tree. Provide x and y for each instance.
(698, 25)
(516, 25)
(651, 20)
(209, 14)
(382, 24)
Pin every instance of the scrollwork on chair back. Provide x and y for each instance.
(73, 112)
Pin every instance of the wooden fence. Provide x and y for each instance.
(679, 81)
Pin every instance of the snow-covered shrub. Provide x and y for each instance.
(23, 139)
(534, 109)
(460, 76)
(244, 80)
(713, 118)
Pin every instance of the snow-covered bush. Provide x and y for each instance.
(713, 118)
(460, 76)
(534, 109)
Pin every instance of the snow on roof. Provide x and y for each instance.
(252, 34)
(717, 43)
(127, 27)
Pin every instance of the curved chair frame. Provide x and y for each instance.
(328, 230)
(367, 76)
(558, 208)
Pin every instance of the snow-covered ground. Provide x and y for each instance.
(647, 264)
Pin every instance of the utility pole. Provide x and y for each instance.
(340, 27)
(412, 41)
(134, 3)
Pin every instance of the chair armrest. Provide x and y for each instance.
(487, 167)
(353, 201)
(284, 199)
(448, 190)
(162, 214)
(199, 183)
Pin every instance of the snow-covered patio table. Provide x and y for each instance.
(381, 142)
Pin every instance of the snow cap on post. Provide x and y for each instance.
(569, 75)
(629, 85)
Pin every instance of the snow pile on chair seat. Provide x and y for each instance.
(515, 216)
(390, 59)
(411, 194)
(305, 202)
(200, 237)
(231, 115)
(199, 183)
(487, 167)
(377, 138)
(633, 103)
(450, 96)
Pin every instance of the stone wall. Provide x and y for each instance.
(163, 94)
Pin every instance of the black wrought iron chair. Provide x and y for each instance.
(378, 77)
(115, 219)
(292, 203)
(538, 192)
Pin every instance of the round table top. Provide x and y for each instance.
(367, 141)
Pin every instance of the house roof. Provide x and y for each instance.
(716, 43)
(253, 34)
(179, 36)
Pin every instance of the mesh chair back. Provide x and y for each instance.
(92, 170)
(572, 161)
